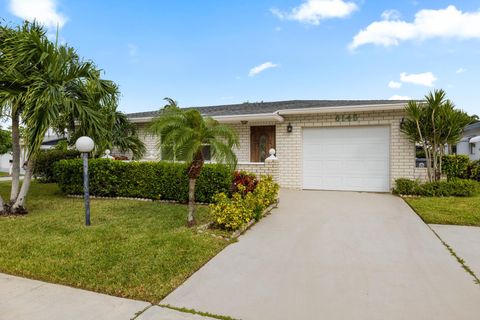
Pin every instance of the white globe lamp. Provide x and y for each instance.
(84, 144)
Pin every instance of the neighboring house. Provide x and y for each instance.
(470, 142)
(49, 141)
(320, 144)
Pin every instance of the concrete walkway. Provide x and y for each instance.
(25, 299)
(464, 241)
(334, 255)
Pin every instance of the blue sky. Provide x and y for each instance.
(205, 52)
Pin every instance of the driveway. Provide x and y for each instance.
(465, 242)
(334, 255)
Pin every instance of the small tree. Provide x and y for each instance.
(183, 134)
(434, 124)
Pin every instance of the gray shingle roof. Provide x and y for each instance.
(271, 107)
(473, 126)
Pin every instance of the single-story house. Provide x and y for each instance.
(470, 142)
(351, 145)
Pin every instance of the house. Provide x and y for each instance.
(470, 142)
(351, 145)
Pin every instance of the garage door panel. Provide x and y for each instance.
(353, 158)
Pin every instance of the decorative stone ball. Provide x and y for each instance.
(272, 152)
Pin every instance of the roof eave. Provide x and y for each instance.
(359, 108)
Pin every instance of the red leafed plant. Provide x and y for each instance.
(248, 180)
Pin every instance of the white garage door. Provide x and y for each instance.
(353, 158)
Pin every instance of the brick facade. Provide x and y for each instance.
(289, 145)
(288, 168)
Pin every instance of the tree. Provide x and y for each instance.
(5, 141)
(41, 82)
(183, 134)
(119, 132)
(434, 124)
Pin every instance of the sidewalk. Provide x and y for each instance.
(25, 299)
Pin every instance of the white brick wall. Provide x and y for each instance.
(288, 169)
(289, 145)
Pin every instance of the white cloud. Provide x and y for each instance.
(460, 70)
(43, 11)
(448, 23)
(391, 15)
(260, 68)
(397, 97)
(313, 11)
(394, 84)
(423, 79)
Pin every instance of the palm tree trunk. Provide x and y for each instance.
(15, 157)
(191, 202)
(19, 205)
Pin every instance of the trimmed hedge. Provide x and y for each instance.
(449, 188)
(151, 180)
(456, 166)
(45, 161)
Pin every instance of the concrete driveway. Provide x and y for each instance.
(334, 255)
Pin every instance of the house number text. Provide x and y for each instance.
(346, 117)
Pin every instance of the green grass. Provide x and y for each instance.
(4, 174)
(139, 250)
(448, 210)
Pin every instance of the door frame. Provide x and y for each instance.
(273, 129)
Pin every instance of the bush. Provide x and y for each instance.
(474, 170)
(244, 179)
(151, 180)
(44, 163)
(406, 187)
(232, 213)
(449, 188)
(456, 166)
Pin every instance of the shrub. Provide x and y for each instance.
(456, 166)
(448, 188)
(406, 186)
(44, 163)
(151, 180)
(232, 213)
(474, 170)
(243, 179)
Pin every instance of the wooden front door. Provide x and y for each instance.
(262, 139)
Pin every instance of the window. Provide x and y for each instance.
(472, 148)
(454, 149)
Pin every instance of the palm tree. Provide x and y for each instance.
(184, 133)
(41, 82)
(434, 123)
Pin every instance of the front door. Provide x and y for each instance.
(262, 139)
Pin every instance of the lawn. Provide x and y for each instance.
(134, 249)
(4, 174)
(448, 210)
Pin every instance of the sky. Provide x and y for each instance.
(215, 52)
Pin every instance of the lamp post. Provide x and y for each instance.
(85, 146)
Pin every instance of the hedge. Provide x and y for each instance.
(456, 166)
(150, 180)
(443, 188)
(45, 161)
(461, 167)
